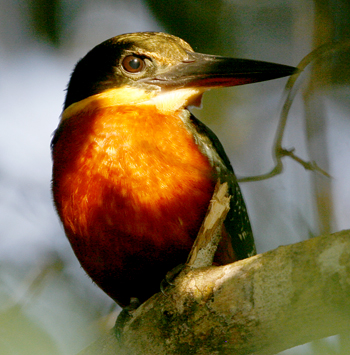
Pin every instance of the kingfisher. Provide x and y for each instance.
(134, 171)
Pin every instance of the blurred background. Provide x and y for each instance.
(47, 303)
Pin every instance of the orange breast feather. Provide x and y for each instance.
(132, 189)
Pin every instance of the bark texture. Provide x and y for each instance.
(261, 305)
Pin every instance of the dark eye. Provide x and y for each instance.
(133, 64)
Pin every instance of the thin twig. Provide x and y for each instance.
(209, 235)
(290, 90)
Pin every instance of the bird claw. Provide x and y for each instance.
(124, 316)
(170, 277)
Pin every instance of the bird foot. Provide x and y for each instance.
(124, 316)
(170, 277)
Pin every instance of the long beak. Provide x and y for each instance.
(214, 71)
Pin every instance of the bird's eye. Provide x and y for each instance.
(133, 64)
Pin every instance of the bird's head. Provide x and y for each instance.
(159, 69)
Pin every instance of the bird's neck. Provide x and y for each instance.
(166, 101)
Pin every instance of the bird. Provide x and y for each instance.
(134, 171)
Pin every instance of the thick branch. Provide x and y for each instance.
(261, 305)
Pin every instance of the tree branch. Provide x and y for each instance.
(261, 305)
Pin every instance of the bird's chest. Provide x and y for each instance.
(130, 171)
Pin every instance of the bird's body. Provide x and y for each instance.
(140, 200)
(134, 171)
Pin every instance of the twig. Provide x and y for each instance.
(290, 91)
(209, 235)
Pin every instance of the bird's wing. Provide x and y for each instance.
(237, 222)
